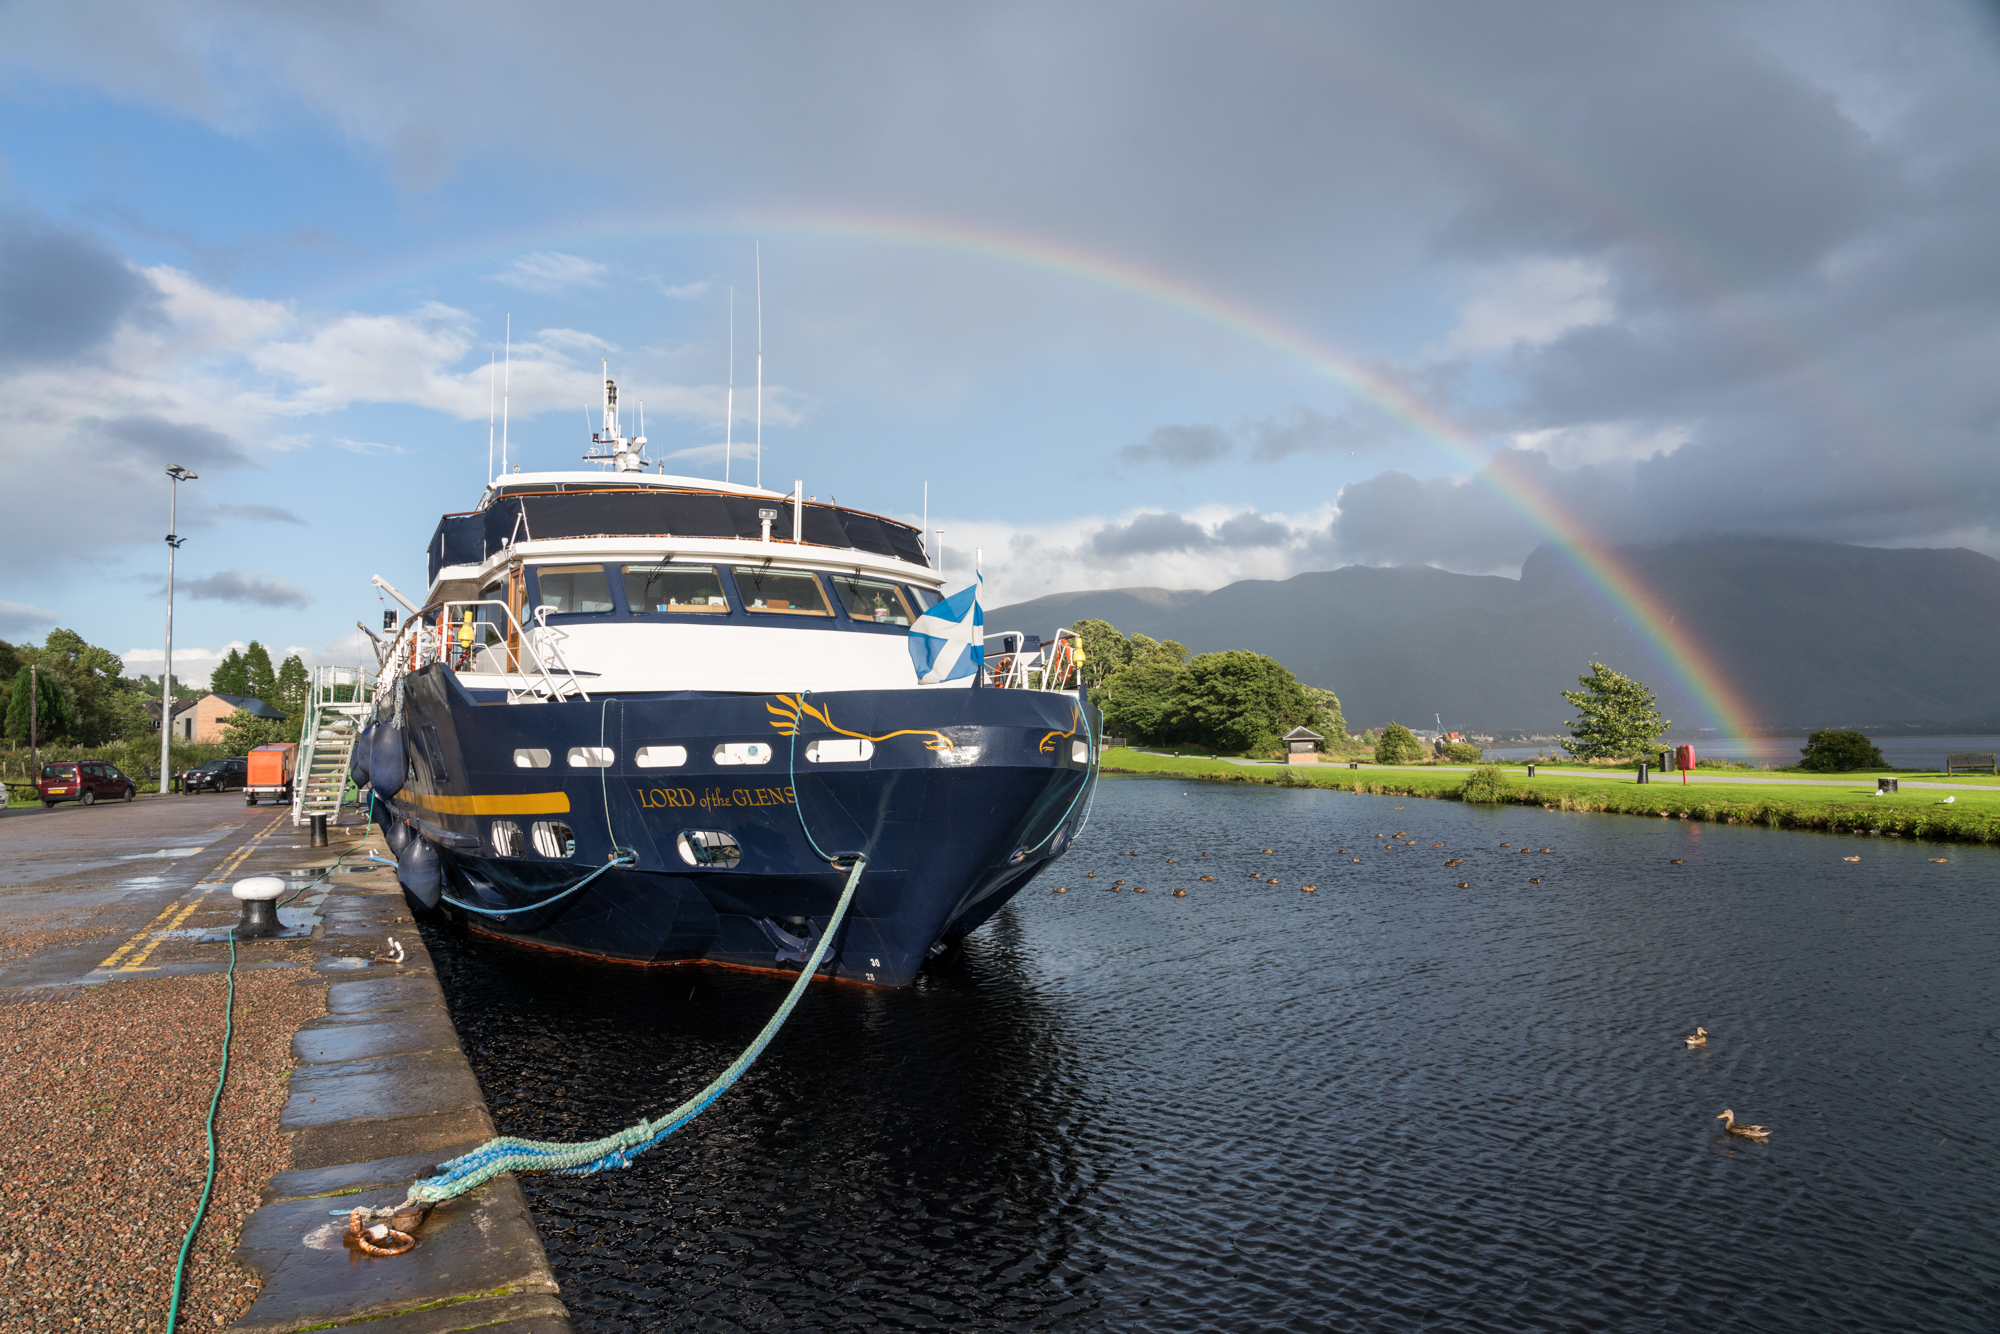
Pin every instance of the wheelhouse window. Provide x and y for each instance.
(573, 590)
(675, 589)
(786, 592)
(924, 598)
(872, 602)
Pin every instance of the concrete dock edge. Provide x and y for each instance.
(380, 1093)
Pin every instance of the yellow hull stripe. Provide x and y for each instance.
(529, 803)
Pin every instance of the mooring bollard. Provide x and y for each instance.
(319, 831)
(259, 895)
(1642, 772)
(1354, 764)
(1531, 771)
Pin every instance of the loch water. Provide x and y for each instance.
(1390, 1104)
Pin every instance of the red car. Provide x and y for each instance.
(85, 781)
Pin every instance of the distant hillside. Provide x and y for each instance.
(1809, 634)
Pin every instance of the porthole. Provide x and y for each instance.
(839, 750)
(590, 757)
(505, 837)
(553, 839)
(660, 757)
(1079, 751)
(708, 847)
(531, 759)
(743, 752)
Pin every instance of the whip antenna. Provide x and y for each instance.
(760, 364)
(506, 386)
(729, 404)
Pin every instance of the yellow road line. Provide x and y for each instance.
(119, 953)
(117, 962)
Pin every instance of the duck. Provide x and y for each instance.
(1268, 852)
(1464, 884)
(1354, 859)
(1534, 880)
(1938, 860)
(1677, 861)
(1437, 845)
(1850, 859)
(1138, 889)
(1180, 893)
(1506, 845)
(1948, 801)
(1208, 877)
(1309, 889)
(1090, 875)
(1548, 849)
(1698, 1038)
(1060, 889)
(1272, 881)
(1170, 861)
(1728, 1119)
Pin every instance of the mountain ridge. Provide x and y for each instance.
(1801, 634)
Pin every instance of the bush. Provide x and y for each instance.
(1486, 784)
(1398, 745)
(1829, 751)
(1463, 752)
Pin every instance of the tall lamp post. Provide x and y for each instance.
(179, 474)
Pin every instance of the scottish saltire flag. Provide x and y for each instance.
(949, 640)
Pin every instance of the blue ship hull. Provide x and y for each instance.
(968, 793)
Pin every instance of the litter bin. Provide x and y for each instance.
(1885, 785)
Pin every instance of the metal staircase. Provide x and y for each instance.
(338, 704)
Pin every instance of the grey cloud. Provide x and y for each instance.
(61, 291)
(20, 618)
(1250, 529)
(1154, 534)
(1149, 534)
(1181, 446)
(251, 586)
(147, 440)
(259, 513)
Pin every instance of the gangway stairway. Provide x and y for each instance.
(338, 704)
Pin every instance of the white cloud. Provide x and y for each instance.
(550, 272)
(686, 291)
(1530, 303)
(1203, 547)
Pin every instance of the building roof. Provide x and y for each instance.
(1302, 734)
(250, 704)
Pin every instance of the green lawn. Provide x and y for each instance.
(1851, 807)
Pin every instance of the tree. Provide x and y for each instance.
(50, 713)
(1617, 717)
(1829, 751)
(259, 679)
(232, 675)
(1105, 651)
(1398, 745)
(1239, 701)
(1141, 701)
(1327, 719)
(245, 730)
(294, 685)
(91, 679)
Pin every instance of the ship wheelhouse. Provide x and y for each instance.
(627, 583)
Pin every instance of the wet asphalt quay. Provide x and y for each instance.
(79, 884)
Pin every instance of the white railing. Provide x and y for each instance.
(1012, 665)
(529, 660)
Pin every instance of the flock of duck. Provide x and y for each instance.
(1399, 841)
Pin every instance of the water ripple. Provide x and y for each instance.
(1391, 1104)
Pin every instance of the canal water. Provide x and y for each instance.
(1390, 1104)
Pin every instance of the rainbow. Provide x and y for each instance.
(1682, 654)
(1678, 651)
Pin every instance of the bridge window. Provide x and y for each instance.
(870, 601)
(786, 592)
(674, 588)
(573, 590)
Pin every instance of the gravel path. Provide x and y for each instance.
(104, 1095)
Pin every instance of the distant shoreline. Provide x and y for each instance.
(1821, 807)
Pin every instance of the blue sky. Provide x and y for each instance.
(1725, 269)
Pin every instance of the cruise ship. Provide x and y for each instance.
(652, 718)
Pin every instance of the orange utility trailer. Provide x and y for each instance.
(270, 773)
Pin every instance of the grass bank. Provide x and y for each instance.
(1973, 818)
